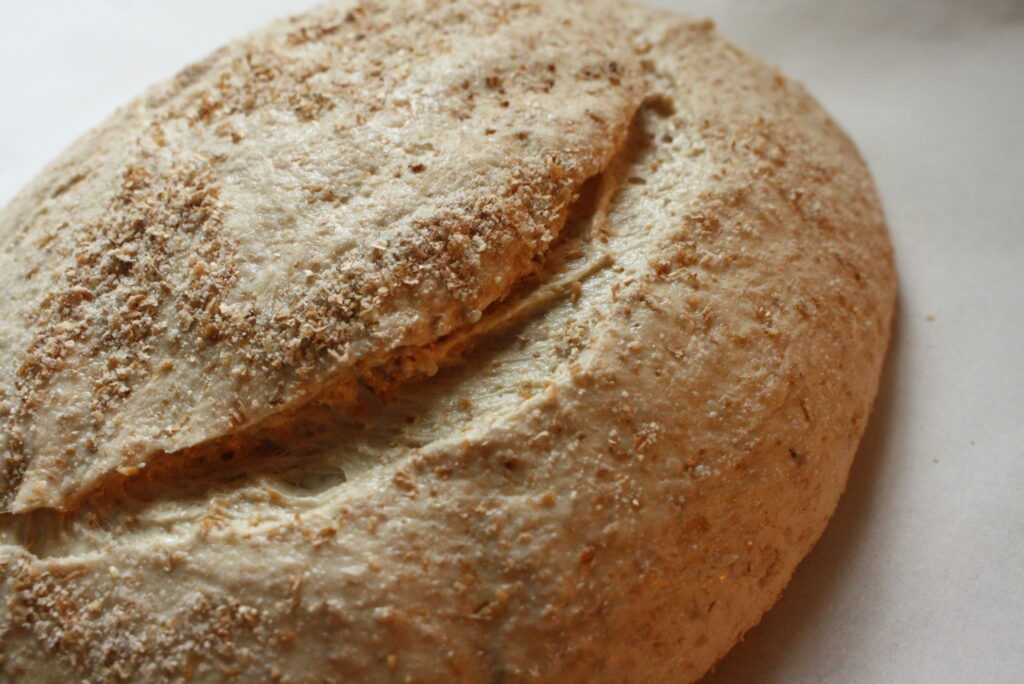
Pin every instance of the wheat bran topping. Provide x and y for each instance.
(365, 177)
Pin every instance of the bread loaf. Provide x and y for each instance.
(437, 341)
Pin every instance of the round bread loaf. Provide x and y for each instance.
(433, 342)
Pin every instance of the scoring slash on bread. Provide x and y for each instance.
(437, 341)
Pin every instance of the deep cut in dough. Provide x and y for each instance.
(603, 466)
(290, 210)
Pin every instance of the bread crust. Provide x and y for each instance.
(610, 484)
(285, 214)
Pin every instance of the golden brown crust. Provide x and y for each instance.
(612, 485)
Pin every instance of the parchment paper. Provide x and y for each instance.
(920, 576)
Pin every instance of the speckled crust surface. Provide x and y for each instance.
(608, 477)
(294, 208)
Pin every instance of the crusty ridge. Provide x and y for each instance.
(365, 177)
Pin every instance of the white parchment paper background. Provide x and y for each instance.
(920, 577)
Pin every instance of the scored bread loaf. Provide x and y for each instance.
(439, 341)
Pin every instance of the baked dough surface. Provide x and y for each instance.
(294, 208)
(607, 476)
